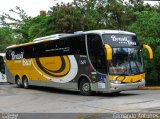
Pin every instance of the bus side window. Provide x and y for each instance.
(8, 54)
(79, 45)
(96, 52)
(28, 51)
(74, 45)
(46, 49)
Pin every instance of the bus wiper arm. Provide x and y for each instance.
(135, 63)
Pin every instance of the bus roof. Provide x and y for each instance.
(18, 45)
(62, 35)
(109, 32)
(55, 36)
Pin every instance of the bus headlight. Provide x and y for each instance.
(142, 80)
(116, 82)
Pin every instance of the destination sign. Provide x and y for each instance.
(120, 40)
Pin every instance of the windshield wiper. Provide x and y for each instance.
(135, 63)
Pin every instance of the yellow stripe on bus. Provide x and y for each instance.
(127, 79)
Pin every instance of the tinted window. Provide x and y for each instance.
(27, 50)
(8, 54)
(96, 52)
(14, 53)
(20, 52)
(73, 45)
(46, 49)
(2, 68)
(65, 46)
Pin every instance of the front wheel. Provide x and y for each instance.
(85, 87)
(25, 82)
(116, 93)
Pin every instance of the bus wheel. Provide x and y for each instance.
(18, 82)
(85, 87)
(25, 82)
(116, 93)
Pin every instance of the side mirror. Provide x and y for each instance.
(108, 52)
(149, 51)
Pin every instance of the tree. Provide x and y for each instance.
(17, 20)
(6, 38)
(16, 23)
(65, 18)
(147, 28)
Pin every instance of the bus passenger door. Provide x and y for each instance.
(98, 60)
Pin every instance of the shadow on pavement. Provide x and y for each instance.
(71, 92)
(4, 83)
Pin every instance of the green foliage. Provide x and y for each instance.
(37, 27)
(66, 18)
(147, 28)
(16, 24)
(91, 14)
(6, 38)
(85, 15)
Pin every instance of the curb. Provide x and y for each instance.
(152, 88)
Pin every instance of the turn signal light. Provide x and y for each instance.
(141, 87)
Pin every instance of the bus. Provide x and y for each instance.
(2, 68)
(107, 61)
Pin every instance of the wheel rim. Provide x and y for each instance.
(25, 83)
(86, 87)
(18, 82)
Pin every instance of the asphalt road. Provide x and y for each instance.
(50, 100)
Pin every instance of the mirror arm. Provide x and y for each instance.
(149, 51)
(108, 52)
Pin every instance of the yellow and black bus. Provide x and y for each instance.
(98, 60)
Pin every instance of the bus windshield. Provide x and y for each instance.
(126, 61)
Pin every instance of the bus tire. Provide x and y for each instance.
(25, 82)
(116, 93)
(85, 87)
(18, 81)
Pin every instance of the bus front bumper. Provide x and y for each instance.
(122, 87)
